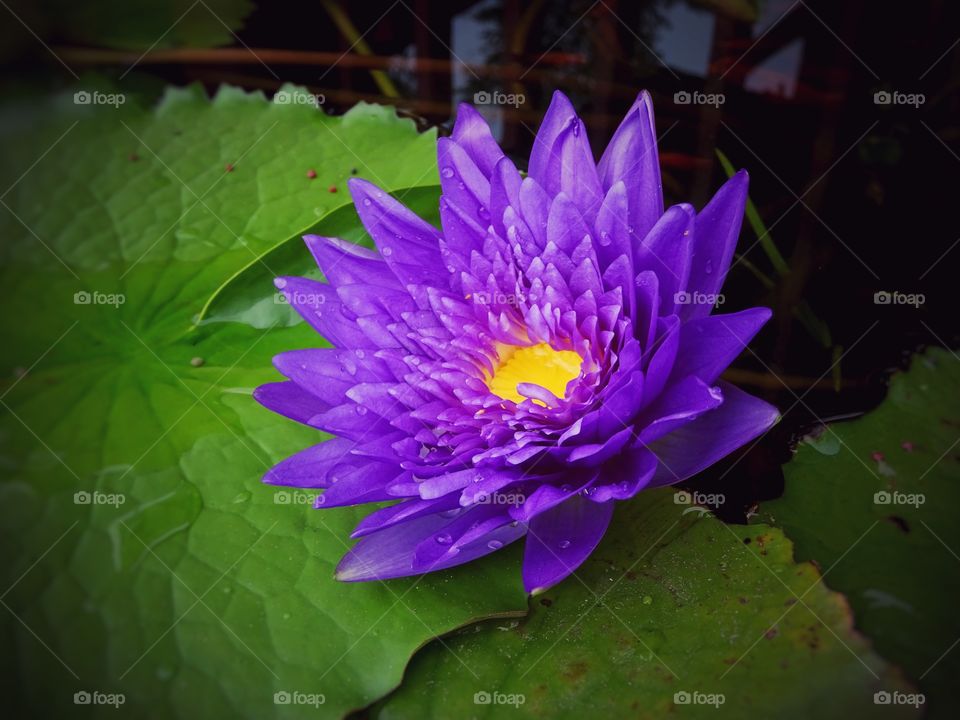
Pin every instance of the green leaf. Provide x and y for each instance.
(203, 592)
(894, 555)
(672, 601)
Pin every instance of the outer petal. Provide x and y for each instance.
(715, 237)
(709, 344)
(558, 117)
(389, 553)
(632, 157)
(472, 133)
(699, 444)
(560, 539)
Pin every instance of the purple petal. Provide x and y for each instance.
(560, 539)
(709, 344)
(714, 435)
(715, 234)
(472, 133)
(631, 157)
(389, 553)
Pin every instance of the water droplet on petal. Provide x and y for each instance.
(483, 213)
(563, 544)
(368, 202)
(494, 544)
(708, 268)
(444, 538)
(361, 410)
(359, 353)
(447, 172)
(387, 252)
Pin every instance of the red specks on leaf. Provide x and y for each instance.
(907, 445)
(878, 456)
(228, 167)
(332, 189)
(311, 173)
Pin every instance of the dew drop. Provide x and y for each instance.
(708, 268)
(483, 213)
(387, 252)
(450, 513)
(360, 354)
(444, 538)
(367, 202)
(494, 544)
(361, 410)
(447, 172)
(566, 488)
(563, 544)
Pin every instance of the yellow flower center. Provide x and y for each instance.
(540, 365)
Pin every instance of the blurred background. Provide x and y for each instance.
(844, 114)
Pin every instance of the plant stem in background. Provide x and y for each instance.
(358, 44)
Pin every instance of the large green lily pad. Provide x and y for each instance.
(874, 503)
(675, 613)
(175, 577)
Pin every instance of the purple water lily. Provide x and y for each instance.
(549, 352)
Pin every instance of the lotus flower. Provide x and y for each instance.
(549, 352)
